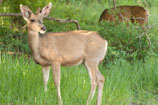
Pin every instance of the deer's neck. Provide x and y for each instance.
(33, 41)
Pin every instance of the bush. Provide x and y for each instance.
(14, 41)
(124, 41)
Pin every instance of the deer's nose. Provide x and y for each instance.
(43, 28)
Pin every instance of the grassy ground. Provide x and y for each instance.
(21, 79)
(21, 83)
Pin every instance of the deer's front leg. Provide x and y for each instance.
(45, 70)
(56, 76)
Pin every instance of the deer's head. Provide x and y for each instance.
(35, 21)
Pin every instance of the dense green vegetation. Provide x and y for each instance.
(130, 67)
(126, 83)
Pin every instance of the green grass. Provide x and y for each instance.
(21, 83)
(125, 83)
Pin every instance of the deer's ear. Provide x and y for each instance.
(26, 12)
(46, 10)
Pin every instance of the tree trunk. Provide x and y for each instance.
(67, 2)
(1, 2)
(99, 1)
(114, 3)
(139, 2)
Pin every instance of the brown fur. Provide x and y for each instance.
(65, 49)
(68, 48)
(127, 13)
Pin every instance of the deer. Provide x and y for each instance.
(126, 13)
(71, 48)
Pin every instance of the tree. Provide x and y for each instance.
(1, 2)
(67, 1)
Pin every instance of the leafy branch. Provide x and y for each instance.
(145, 32)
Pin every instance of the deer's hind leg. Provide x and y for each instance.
(100, 83)
(96, 80)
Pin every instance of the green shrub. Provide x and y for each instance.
(124, 40)
(14, 41)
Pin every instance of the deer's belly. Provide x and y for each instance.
(41, 61)
(72, 62)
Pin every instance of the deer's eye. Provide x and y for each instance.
(32, 20)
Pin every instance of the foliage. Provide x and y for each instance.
(134, 82)
(124, 40)
(14, 41)
(21, 83)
